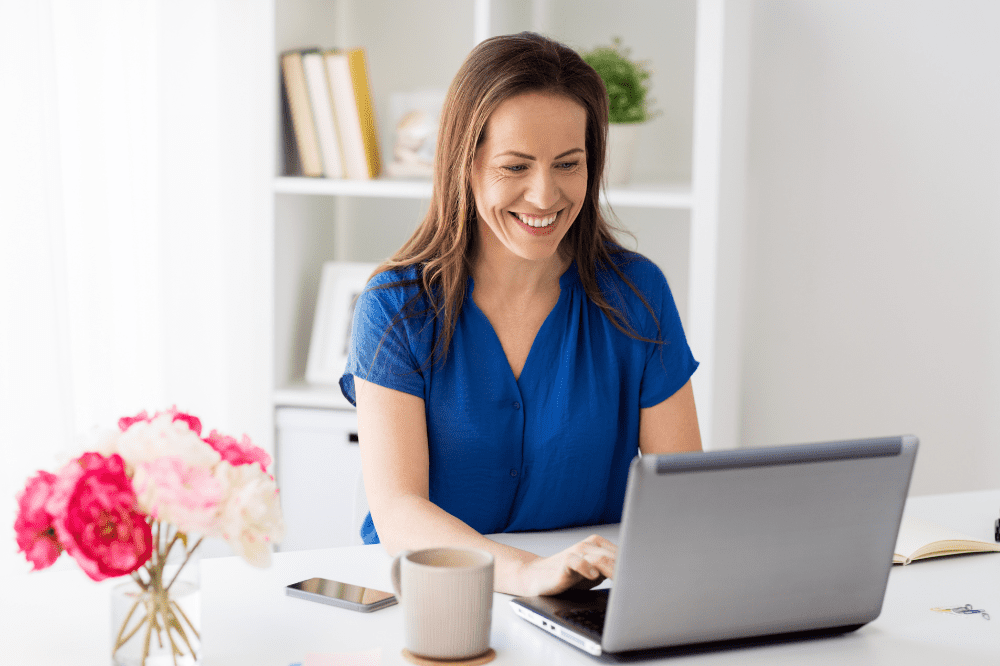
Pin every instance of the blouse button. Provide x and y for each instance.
(513, 472)
(517, 405)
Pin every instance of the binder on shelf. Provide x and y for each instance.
(348, 76)
(323, 113)
(303, 125)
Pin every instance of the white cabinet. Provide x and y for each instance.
(318, 467)
(684, 207)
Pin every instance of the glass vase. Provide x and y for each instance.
(155, 626)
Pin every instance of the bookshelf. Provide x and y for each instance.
(683, 209)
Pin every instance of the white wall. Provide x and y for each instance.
(872, 292)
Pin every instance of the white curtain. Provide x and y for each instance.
(127, 271)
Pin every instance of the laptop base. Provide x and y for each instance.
(546, 614)
(634, 656)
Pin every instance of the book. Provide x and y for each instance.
(300, 108)
(348, 75)
(919, 539)
(323, 114)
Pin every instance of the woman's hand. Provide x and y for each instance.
(583, 565)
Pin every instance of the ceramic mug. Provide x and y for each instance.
(447, 600)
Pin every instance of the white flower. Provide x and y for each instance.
(250, 519)
(187, 496)
(146, 441)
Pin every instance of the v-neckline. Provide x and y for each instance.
(534, 343)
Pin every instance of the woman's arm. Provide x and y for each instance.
(392, 431)
(671, 426)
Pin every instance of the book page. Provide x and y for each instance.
(920, 538)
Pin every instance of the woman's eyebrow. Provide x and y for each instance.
(525, 156)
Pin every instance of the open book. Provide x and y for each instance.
(919, 539)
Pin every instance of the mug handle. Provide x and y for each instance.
(396, 586)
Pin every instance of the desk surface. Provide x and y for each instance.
(247, 619)
(60, 617)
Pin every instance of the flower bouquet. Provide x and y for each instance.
(121, 510)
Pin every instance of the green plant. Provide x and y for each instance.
(625, 80)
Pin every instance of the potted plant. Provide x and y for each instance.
(627, 83)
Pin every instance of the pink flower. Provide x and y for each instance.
(36, 535)
(162, 436)
(95, 517)
(238, 453)
(125, 422)
(193, 422)
(185, 495)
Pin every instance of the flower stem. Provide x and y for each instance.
(189, 623)
(162, 614)
(122, 641)
(186, 558)
(138, 581)
(149, 634)
(174, 650)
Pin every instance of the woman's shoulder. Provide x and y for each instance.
(393, 290)
(644, 275)
(395, 282)
(394, 277)
(637, 288)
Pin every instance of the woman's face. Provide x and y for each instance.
(529, 175)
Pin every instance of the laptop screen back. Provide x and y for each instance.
(730, 544)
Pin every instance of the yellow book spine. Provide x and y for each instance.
(366, 111)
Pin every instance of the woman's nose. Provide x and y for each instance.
(543, 191)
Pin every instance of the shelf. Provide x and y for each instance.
(380, 188)
(301, 394)
(657, 195)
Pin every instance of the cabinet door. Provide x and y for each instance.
(319, 474)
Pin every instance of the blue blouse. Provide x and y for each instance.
(552, 448)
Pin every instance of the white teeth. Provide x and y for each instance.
(536, 222)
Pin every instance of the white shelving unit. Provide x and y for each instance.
(684, 210)
(683, 205)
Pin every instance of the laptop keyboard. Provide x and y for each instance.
(588, 618)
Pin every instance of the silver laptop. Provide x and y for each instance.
(725, 546)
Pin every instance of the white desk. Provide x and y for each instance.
(61, 617)
(248, 620)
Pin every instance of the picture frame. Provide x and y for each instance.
(340, 285)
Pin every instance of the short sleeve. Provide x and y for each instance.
(670, 364)
(383, 340)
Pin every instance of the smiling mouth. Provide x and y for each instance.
(535, 221)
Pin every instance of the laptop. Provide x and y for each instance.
(724, 546)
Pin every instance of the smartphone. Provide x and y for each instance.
(344, 595)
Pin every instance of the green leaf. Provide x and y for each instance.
(625, 80)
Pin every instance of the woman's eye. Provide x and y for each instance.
(517, 168)
(568, 166)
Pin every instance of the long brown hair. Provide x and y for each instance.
(444, 245)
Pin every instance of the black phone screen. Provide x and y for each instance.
(337, 593)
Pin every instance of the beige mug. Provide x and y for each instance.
(447, 600)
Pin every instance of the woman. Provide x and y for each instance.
(509, 361)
